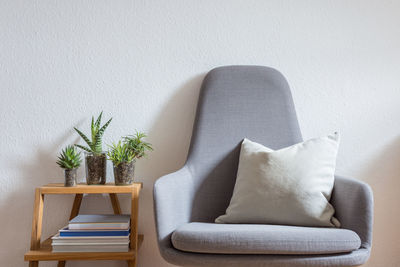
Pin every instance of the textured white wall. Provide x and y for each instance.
(142, 62)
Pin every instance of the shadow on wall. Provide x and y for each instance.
(35, 172)
(383, 175)
(170, 136)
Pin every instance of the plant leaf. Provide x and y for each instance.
(84, 137)
(69, 158)
(84, 148)
(98, 121)
(93, 128)
(98, 137)
(101, 131)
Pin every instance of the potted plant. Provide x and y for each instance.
(69, 160)
(124, 163)
(124, 154)
(135, 143)
(95, 158)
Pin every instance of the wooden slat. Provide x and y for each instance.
(76, 206)
(134, 224)
(37, 220)
(45, 254)
(33, 264)
(89, 189)
(115, 203)
(37, 224)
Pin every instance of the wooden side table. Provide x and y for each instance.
(43, 251)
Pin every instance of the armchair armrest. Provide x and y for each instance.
(172, 195)
(353, 202)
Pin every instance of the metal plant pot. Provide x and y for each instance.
(70, 177)
(123, 173)
(96, 168)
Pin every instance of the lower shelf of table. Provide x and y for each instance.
(45, 254)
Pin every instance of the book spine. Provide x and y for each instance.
(92, 226)
(95, 233)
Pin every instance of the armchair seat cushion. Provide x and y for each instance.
(263, 239)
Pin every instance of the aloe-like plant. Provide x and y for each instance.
(69, 158)
(136, 144)
(120, 153)
(96, 144)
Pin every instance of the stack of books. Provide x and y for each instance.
(94, 233)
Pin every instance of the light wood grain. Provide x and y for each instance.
(134, 224)
(33, 264)
(37, 219)
(76, 206)
(115, 203)
(89, 189)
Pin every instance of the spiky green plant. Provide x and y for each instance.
(69, 158)
(96, 144)
(119, 153)
(137, 145)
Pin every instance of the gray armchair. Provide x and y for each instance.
(253, 102)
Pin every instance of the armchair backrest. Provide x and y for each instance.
(235, 102)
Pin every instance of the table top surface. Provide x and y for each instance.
(59, 188)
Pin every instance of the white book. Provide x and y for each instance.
(91, 248)
(57, 239)
(99, 221)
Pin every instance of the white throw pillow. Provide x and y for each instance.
(290, 186)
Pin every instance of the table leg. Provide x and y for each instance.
(76, 206)
(37, 224)
(115, 203)
(134, 225)
(132, 263)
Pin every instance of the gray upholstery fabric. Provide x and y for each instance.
(354, 206)
(190, 259)
(263, 239)
(237, 102)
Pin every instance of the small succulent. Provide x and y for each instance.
(69, 158)
(120, 153)
(96, 144)
(137, 145)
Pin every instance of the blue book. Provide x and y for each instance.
(67, 232)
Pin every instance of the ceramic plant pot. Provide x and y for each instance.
(123, 173)
(96, 168)
(70, 177)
